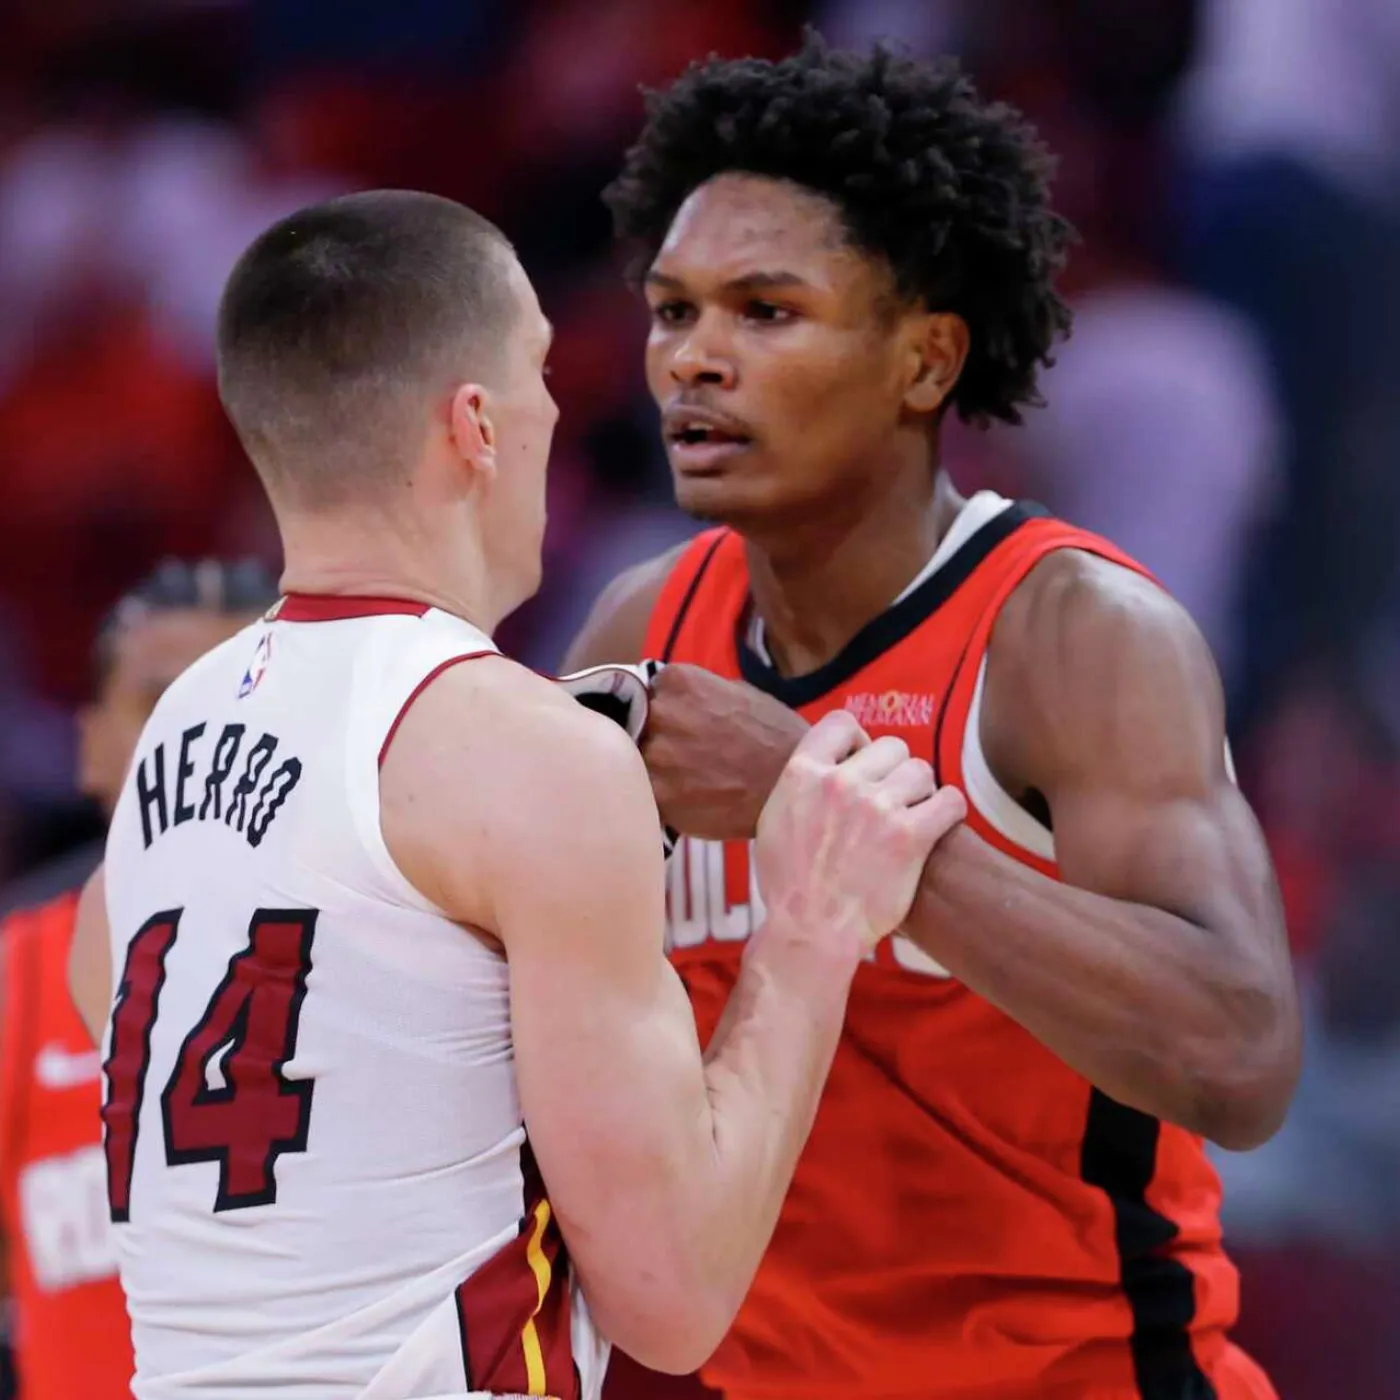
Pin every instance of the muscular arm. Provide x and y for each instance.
(530, 819)
(1159, 968)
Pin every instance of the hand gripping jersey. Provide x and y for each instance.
(970, 1217)
(315, 1152)
(61, 1253)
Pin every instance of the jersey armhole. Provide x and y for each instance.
(364, 760)
(993, 812)
(985, 794)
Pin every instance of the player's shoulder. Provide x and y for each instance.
(1075, 598)
(503, 757)
(220, 668)
(1090, 663)
(616, 626)
(496, 716)
(645, 579)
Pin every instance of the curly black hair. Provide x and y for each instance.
(950, 190)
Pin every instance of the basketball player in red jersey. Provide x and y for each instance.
(72, 1335)
(1006, 1193)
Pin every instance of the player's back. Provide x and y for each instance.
(315, 1150)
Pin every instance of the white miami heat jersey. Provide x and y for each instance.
(316, 1161)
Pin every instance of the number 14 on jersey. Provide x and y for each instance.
(250, 1024)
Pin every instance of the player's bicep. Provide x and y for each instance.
(1125, 705)
(1201, 857)
(525, 816)
(607, 1058)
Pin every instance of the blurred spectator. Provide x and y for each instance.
(1313, 1216)
(1330, 1175)
(1160, 428)
(921, 26)
(1160, 433)
(1291, 130)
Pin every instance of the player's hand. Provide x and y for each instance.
(714, 749)
(844, 837)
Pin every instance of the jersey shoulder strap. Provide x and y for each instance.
(400, 662)
(713, 557)
(392, 659)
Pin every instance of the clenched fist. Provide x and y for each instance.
(714, 749)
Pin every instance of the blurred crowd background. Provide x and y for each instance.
(1226, 410)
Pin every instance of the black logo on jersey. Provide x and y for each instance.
(172, 794)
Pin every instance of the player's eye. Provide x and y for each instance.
(767, 312)
(671, 313)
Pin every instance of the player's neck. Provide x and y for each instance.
(813, 599)
(346, 556)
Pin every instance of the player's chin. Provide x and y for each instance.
(727, 496)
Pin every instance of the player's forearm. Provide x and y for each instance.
(765, 1070)
(667, 1280)
(1160, 1013)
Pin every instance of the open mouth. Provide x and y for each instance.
(702, 435)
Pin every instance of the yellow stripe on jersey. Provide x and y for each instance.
(543, 1272)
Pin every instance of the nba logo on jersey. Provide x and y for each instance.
(257, 666)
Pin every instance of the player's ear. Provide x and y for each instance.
(472, 429)
(937, 352)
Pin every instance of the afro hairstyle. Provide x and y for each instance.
(950, 190)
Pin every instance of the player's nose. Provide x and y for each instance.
(701, 358)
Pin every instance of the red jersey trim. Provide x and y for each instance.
(338, 607)
(514, 1313)
(419, 689)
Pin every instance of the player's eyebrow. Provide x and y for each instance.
(749, 282)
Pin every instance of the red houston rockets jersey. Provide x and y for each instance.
(73, 1337)
(970, 1217)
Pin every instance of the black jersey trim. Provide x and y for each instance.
(682, 612)
(891, 626)
(1119, 1156)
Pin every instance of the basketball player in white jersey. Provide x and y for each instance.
(377, 901)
